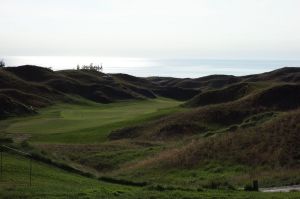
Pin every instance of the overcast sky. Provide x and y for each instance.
(251, 29)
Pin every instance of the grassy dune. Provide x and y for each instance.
(268, 152)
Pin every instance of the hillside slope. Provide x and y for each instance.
(260, 104)
(274, 143)
(230, 93)
(267, 152)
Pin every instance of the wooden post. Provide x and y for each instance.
(255, 185)
(1, 162)
(30, 171)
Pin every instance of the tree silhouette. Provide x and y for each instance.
(91, 67)
(2, 64)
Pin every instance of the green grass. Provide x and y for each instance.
(50, 182)
(213, 174)
(199, 177)
(66, 123)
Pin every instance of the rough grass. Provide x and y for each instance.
(50, 182)
(269, 153)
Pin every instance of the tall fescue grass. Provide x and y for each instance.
(274, 144)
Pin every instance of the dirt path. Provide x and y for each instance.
(281, 189)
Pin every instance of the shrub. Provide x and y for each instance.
(248, 187)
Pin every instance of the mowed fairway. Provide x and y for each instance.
(89, 123)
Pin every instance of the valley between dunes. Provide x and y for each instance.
(96, 135)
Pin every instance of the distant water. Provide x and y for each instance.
(157, 67)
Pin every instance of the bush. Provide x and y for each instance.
(248, 187)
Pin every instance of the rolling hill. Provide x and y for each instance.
(24, 89)
(229, 109)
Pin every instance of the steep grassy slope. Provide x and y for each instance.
(11, 107)
(230, 93)
(260, 103)
(88, 84)
(268, 152)
(16, 93)
(274, 143)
